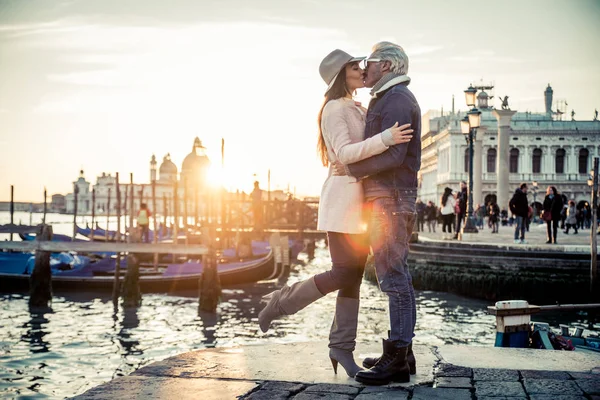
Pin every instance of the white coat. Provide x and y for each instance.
(341, 203)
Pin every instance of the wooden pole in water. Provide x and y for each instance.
(115, 293)
(185, 208)
(40, 281)
(165, 212)
(131, 286)
(594, 233)
(154, 212)
(125, 209)
(131, 198)
(269, 185)
(118, 238)
(93, 212)
(175, 212)
(107, 215)
(196, 221)
(12, 210)
(45, 206)
(75, 201)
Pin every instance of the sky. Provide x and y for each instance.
(101, 85)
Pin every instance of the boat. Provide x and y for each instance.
(97, 234)
(84, 273)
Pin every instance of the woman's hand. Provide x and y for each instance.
(401, 134)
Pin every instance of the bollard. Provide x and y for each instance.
(40, 281)
(209, 284)
(275, 242)
(513, 319)
(132, 296)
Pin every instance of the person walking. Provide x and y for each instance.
(431, 216)
(519, 206)
(390, 184)
(420, 207)
(341, 123)
(552, 206)
(143, 220)
(494, 212)
(571, 221)
(448, 203)
(461, 198)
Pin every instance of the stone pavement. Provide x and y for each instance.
(302, 371)
(535, 237)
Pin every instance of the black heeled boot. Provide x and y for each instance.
(391, 367)
(369, 362)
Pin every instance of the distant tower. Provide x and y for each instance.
(548, 98)
(482, 100)
(452, 104)
(153, 168)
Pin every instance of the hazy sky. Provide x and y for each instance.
(101, 85)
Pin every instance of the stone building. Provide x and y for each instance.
(510, 148)
(191, 183)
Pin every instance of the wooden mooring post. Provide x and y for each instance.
(75, 201)
(132, 296)
(40, 281)
(155, 225)
(115, 293)
(594, 235)
(12, 209)
(210, 284)
(93, 213)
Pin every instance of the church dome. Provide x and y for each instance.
(197, 159)
(168, 169)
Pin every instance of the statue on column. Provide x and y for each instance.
(572, 115)
(596, 115)
(505, 103)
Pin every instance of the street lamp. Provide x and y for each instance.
(468, 126)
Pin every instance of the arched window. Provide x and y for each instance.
(583, 161)
(560, 161)
(537, 161)
(467, 160)
(514, 161)
(491, 161)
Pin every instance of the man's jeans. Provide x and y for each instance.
(391, 224)
(520, 228)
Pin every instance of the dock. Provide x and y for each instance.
(302, 371)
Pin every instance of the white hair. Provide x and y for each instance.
(388, 51)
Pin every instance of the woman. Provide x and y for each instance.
(571, 221)
(494, 212)
(448, 203)
(341, 129)
(553, 206)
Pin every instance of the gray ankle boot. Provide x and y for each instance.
(287, 301)
(342, 337)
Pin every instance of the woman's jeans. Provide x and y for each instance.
(448, 221)
(348, 255)
(391, 224)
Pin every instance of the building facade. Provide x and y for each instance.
(542, 149)
(191, 184)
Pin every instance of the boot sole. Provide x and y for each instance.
(403, 377)
(412, 367)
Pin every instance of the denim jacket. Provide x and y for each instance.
(396, 168)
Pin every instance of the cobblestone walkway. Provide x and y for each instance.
(452, 383)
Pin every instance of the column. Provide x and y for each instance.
(478, 165)
(502, 170)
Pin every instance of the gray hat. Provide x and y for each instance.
(332, 65)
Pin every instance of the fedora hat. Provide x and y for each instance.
(332, 65)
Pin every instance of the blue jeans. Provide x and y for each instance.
(391, 224)
(520, 228)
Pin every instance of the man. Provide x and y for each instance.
(143, 220)
(420, 215)
(519, 206)
(461, 201)
(390, 188)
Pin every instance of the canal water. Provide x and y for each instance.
(84, 340)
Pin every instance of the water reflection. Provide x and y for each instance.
(34, 335)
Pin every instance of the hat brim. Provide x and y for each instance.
(353, 59)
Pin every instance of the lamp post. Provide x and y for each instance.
(468, 127)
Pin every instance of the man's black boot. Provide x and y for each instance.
(369, 362)
(391, 367)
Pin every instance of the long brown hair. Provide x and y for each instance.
(337, 91)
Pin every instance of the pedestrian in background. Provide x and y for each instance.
(494, 212)
(431, 216)
(553, 206)
(461, 208)
(519, 206)
(571, 221)
(448, 203)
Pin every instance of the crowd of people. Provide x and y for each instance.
(556, 211)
